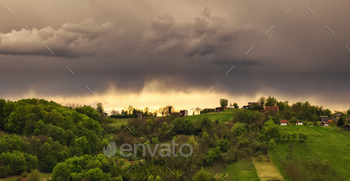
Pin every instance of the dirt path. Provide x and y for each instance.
(266, 170)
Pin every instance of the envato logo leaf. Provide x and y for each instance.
(110, 150)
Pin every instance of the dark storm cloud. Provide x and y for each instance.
(152, 42)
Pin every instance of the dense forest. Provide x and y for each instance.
(69, 141)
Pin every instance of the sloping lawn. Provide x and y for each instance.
(326, 144)
(44, 176)
(221, 117)
(242, 170)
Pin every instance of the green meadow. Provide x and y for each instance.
(324, 143)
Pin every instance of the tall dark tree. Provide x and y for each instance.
(100, 108)
(340, 122)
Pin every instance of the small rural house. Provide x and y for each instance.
(209, 110)
(245, 107)
(299, 123)
(252, 104)
(283, 122)
(328, 122)
(323, 120)
(183, 113)
(139, 115)
(271, 109)
(219, 109)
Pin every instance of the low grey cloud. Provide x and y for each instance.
(72, 40)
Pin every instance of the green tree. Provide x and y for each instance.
(203, 175)
(293, 121)
(34, 175)
(272, 132)
(302, 136)
(150, 178)
(100, 108)
(288, 135)
(155, 140)
(272, 143)
(54, 117)
(271, 101)
(235, 105)
(348, 111)
(224, 145)
(223, 102)
(340, 122)
(294, 135)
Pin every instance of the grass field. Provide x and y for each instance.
(222, 117)
(324, 143)
(44, 176)
(119, 121)
(243, 170)
(266, 170)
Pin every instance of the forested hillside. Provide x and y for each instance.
(77, 143)
(38, 134)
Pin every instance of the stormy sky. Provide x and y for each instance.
(159, 52)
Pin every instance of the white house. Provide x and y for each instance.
(299, 123)
(283, 122)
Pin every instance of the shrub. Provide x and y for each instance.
(34, 175)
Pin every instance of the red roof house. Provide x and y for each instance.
(283, 122)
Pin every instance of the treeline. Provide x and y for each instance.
(40, 134)
(212, 142)
(303, 111)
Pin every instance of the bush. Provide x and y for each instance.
(34, 175)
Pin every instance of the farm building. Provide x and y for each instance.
(219, 109)
(299, 123)
(323, 119)
(283, 122)
(328, 122)
(209, 110)
(271, 109)
(139, 115)
(183, 113)
(252, 104)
